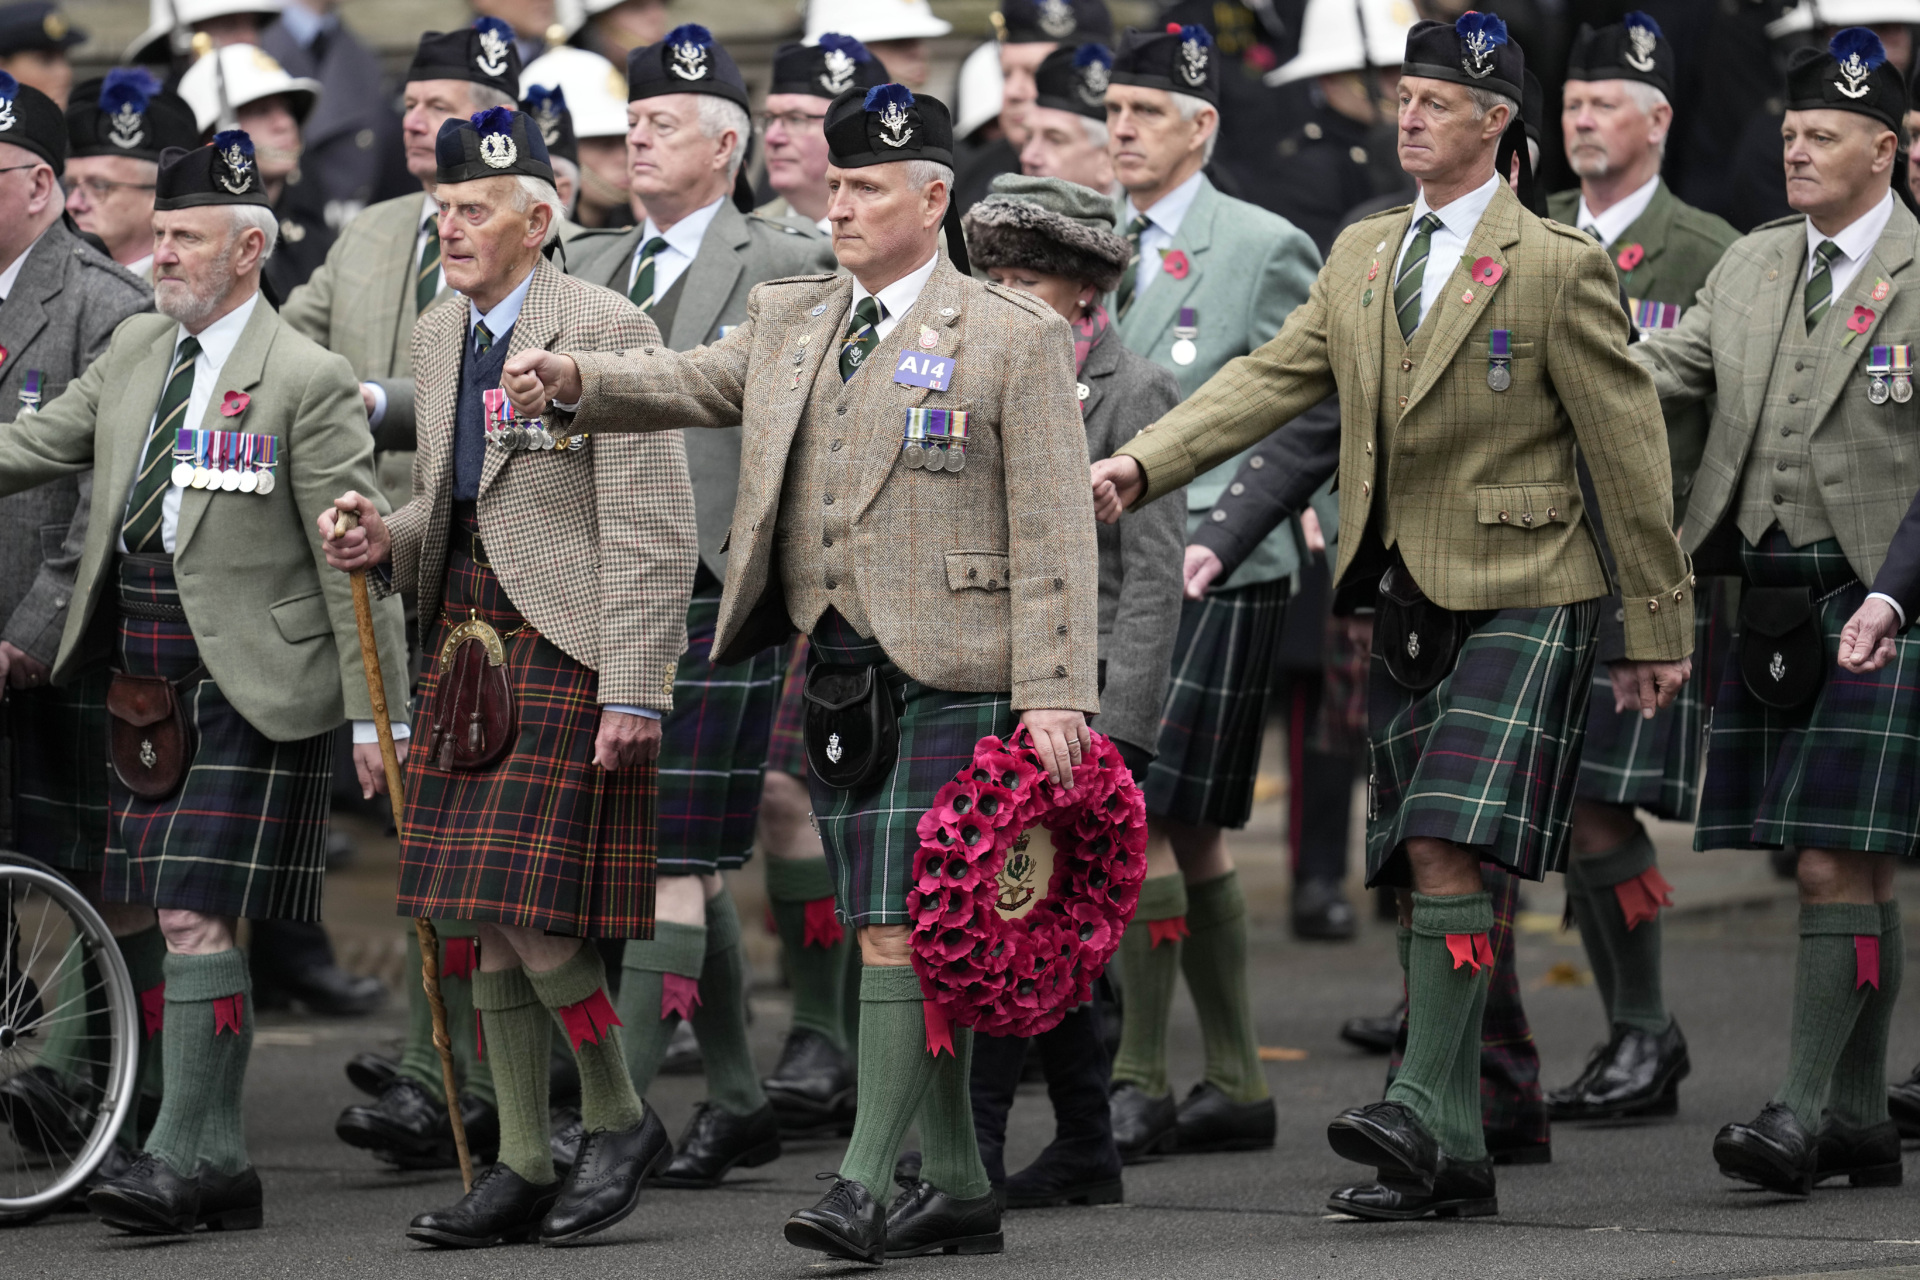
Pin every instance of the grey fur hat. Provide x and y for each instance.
(1050, 225)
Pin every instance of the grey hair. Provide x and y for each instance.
(1646, 97)
(1097, 132)
(920, 173)
(1485, 100)
(257, 215)
(1189, 107)
(529, 191)
(485, 96)
(717, 116)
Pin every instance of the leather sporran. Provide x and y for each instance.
(1419, 641)
(471, 723)
(1783, 655)
(149, 743)
(852, 726)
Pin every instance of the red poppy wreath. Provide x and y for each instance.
(1020, 976)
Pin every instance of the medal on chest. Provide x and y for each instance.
(1879, 369)
(1184, 352)
(30, 392)
(935, 439)
(1901, 387)
(1500, 359)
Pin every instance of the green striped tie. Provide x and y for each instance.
(426, 283)
(141, 529)
(1413, 269)
(1820, 282)
(641, 291)
(482, 337)
(1123, 298)
(862, 336)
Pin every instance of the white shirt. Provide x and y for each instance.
(1163, 224)
(1457, 223)
(12, 273)
(683, 245)
(1614, 222)
(143, 268)
(1856, 241)
(897, 298)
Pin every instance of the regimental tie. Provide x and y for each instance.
(141, 528)
(863, 336)
(1820, 282)
(426, 283)
(1123, 297)
(1413, 270)
(482, 337)
(641, 292)
(1594, 234)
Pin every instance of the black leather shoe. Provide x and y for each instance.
(715, 1141)
(371, 1073)
(1774, 1152)
(1387, 1136)
(812, 1090)
(502, 1208)
(1321, 912)
(1903, 1104)
(46, 1117)
(408, 1127)
(1561, 1101)
(1637, 1074)
(927, 1220)
(1373, 1035)
(150, 1199)
(847, 1223)
(1866, 1157)
(568, 1134)
(1067, 1173)
(683, 1057)
(604, 1185)
(1456, 1190)
(1211, 1121)
(1143, 1125)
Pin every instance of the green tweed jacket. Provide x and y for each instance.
(1864, 454)
(1465, 458)
(1664, 256)
(275, 624)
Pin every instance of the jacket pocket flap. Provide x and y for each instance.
(986, 570)
(139, 700)
(1527, 505)
(302, 617)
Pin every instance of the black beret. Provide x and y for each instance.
(1851, 74)
(222, 172)
(827, 69)
(36, 26)
(127, 113)
(1075, 80)
(1038, 21)
(29, 119)
(496, 143)
(1633, 49)
(483, 53)
(887, 123)
(1179, 60)
(1473, 50)
(548, 108)
(689, 60)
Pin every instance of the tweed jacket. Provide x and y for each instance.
(1246, 269)
(594, 546)
(65, 304)
(274, 623)
(1141, 557)
(1485, 498)
(1863, 457)
(738, 252)
(1019, 516)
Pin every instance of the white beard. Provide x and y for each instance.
(194, 307)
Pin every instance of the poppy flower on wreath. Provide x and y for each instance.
(1861, 320)
(1175, 264)
(1487, 271)
(234, 403)
(1630, 257)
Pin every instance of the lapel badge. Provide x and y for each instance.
(1880, 290)
(1630, 257)
(819, 310)
(1467, 297)
(1174, 263)
(1081, 390)
(1487, 271)
(1373, 270)
(928, 339)
(1858, 323)
(1366, 299)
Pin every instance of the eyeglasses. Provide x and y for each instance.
(791, 119)
(15, 168)
(101, 188)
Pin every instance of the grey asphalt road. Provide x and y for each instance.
(1632, 1200)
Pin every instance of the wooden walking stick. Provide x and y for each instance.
(396, 795)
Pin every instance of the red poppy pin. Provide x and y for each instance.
(1487, 271)
(234, 403)
(1175, 264)
(1880, 290)
(1861, 320)
(1630, 257)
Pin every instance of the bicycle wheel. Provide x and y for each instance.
(63, 987)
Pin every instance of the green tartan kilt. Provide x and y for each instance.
(58, 741)
(1486, 758)
(870, 835)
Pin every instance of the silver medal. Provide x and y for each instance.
(1878, 391)
(1184, 352)
(957, 459)
(1499, 377)
(230, 480)
(936, 458)
(182, 474)
(249, 481)
(1902, 389)
(266, 484)
(201, 477)
(914, 455)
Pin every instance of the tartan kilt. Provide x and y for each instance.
(58, 737)
(787, 749)
(870, 835)
(1486, 758)
(1837, 774)
(246, 834)
(713, 749)
(543, 839)
(1215, 713)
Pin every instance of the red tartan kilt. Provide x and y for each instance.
(787, 750)
(544, 839)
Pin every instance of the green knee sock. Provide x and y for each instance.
(515, 1041)
(720, 1023)
(1439, 1077)
(1592, 939)
(1826, 1003)
(607, 1096)
(1859, 1094)
(1637, 999)
(206, 1063)
(419, 1059)
(146, 955)
(644, 1030)
(1147, 975)
(949, 1152)
(1214, 959)
(895, 1072)
(818, 974)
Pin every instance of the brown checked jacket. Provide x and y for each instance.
(595, 546)
(982, 580)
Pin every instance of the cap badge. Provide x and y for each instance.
(838, 75)
(493, 53)
(54, 26)
(1193, 62)
(1643, 40)
(1854, 72)
(498, 151)
(1477, 55)
(689, 61)
(6, 113)
(1094, 79)
(895, 131)
(238, 171)
(1056, 18)
(127, 128)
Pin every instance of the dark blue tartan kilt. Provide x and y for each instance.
(246, 834)
(1837, 774)
(713, 749)
(1487, 758)
(58, 740)
(870, 835)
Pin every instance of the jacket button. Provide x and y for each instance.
(1403, 402)
(835, 446)
(973, 573)
(756, 526)
(1793, 397)
(1526, 518)
(1406, 366)
(1256, 462)
(1777, 498)
(1059, 631)
(1369, 448)
(1059, 671)
(1366, 489)
(1059, 584)
(1799, 366)
(1219, 517)
(829, 499)
(1553, 513)
(1236, 488)
(1653, 606)
(831, 584)
(1679, 597)
(1779, 466)
(1506, 517)
(841, 411)
(827, 541)
(60, 603)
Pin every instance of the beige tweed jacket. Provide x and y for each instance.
(1468, 463)
(1020, 516)
(594, 546)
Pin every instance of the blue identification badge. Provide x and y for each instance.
(935, 373)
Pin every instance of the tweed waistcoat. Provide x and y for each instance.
(478, 372)
(1398, 370)
(663, 311)
(1779, 483)
(816, 515)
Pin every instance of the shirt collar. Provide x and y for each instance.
(1170, 210)
(1857, 239)
(1620, 215)
(143, 267)
(898, 298)
(430, 210)
(686, 234)
(1464, 213)
(217, 339)
(505, 312)
(11, 275)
